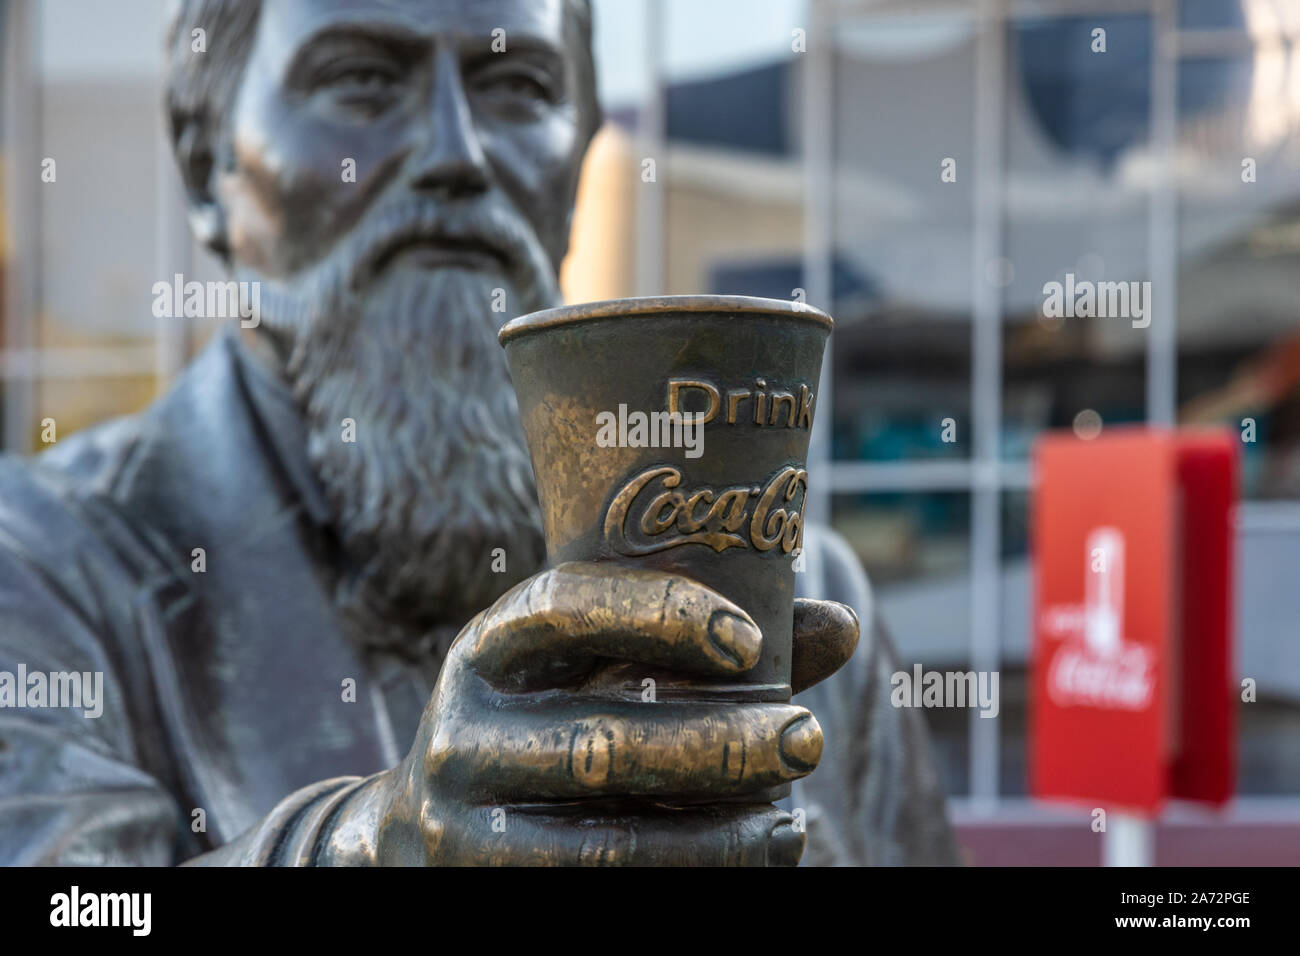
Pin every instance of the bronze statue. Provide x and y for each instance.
(281, 568)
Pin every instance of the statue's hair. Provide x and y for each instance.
(201, 86)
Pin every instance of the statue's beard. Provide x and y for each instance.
(414, 432)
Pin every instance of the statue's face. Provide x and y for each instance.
(400, 176)
(412, 97)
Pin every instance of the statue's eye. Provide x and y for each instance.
(361, 87)
(359, 81)
(367, 78)
(516, 84)
(519, 84)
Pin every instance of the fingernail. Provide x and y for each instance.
(737, 639)
(801, 745)
(784, 846)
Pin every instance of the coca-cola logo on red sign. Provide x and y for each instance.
(1096, 666)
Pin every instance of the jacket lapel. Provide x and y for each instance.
(249, 654)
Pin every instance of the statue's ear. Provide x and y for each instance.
(192, 142)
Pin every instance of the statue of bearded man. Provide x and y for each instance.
(341, 676)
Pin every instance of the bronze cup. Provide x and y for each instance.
(716, 495)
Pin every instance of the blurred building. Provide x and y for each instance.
(921, 169)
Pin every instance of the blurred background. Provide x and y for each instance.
(799, 149)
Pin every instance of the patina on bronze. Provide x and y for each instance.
(713, 400)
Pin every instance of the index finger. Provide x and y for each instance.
(557, 624)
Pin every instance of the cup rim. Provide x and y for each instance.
(658, 305)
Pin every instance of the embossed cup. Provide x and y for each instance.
(716, 495)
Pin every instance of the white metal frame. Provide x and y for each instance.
(22, 128)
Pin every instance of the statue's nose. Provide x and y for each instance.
(452, 164)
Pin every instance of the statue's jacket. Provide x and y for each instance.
(177, 553)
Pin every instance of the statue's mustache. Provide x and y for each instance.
(480, 226)
(487, 229)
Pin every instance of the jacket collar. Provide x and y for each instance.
(249, 655)
(281, 423)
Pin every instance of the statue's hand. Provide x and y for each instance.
(519, 759)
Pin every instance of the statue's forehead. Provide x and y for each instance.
(288, 22)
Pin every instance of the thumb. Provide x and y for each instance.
(825, 636)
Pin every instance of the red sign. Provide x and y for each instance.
(1132, 700)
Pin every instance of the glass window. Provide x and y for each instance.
(916, 548)
(99, 120)
(733, 202)
(1076, 209)
(903, 237)
(1239, 260)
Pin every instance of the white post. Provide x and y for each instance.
(986, 391)
(818, 157)
(1162, 221)
(652, 142)
(21, 86)
(1128, 841)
